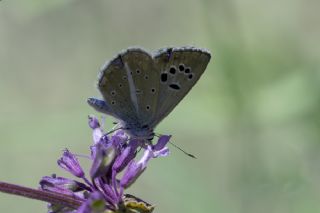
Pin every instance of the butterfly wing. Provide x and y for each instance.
(141, 89)
(178, 71)
(126, 84)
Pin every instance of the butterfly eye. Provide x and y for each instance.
(148, 107)
(146, 77)
(120, 85)
(181, 67)
(124, 77)
(113, 102)
(187, 70)
(138, 71)
(153, 90)
(172, 70)
(113, 93)
(164, 77)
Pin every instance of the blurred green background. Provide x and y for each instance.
(253, 119)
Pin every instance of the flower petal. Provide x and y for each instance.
(126, 156)
(161, 153)
(94, 204)
(104, 156)
(111, 196)
(93, 122)
(119, 139)
(134, 170)
(97, 132)
(70, 163)
(61, 184)
(162, 142)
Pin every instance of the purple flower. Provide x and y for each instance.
(102, 159)
(93, 122)
(69, 162)
(160, 149)
(126, 156)
(131, 174)
(97, 132)
(135, 169)
(94, 204)
(62, 185)
(162, 142)
(110, 155)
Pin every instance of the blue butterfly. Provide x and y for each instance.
(140, 89)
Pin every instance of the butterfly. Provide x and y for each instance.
(140, 89)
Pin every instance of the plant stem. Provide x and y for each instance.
(50, 197)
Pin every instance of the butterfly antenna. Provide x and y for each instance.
(111, 131)
(188, 154)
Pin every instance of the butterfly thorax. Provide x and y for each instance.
(138, 131)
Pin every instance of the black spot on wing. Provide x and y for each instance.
(164, 77)
(181, 67)
(174, 86)
(172, 70)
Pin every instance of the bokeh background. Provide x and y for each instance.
(253, 119)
